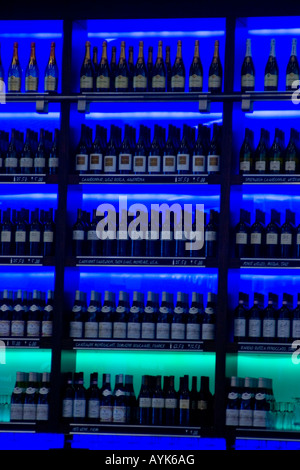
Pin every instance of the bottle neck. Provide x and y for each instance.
(122, 54)
(159, 52)
(272, 49)
(141, 52)
(87, 52)
(179, 52)
(294, 48)
(32, 53)
(248, 49)
(104, 52)
(15, 58)
(52, 53)
(196, 50)
(216, 50)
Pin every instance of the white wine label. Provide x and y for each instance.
(154, 163)
(78, 235)
(241, 238)
(33, 328)
(93, 408)
(271, 80)
(199, 163)
(283, 328)
(96, 160)
(145, 402)
(290, 78)
(272, 238)
(195, 81)
(14, 83)
(102, 82)
(275, 165)
(11, 162)
(105, 330)
(159, 81)
(91, 329)
(295, 328)
(290, 166)
(92, 235)
(6, 236)
(246, 418)
(16, 411)
(232, 417)
(254, 328)
(26, 162)
(193, 332)
(86, 82)
(47, 328)
(29, 412)
(39, 162)
(148, 330)
(125, 161)
(133, 330)
(17, 328)
(184, 404)
(248, 80)
(20, 236)
(110, 163)
(79, 408)
(139, 81)
(178, 331)
(67, 408)
(208, 331)
(269, 328)
(171, 403)
(163, 331)
(48, 237)
(286, 239)
(4, 327)
(177, 81)
(210, 236)
(245, 166)
(50, 83)
(53, 162)
(169, 163)
(119, 414)
(255, 238)
(183, 161)
(106, 414)
(42, 412)
(119, 330)
(139, 163)
(213, 163)
(158, 402)
(35, 236)
(81, 162)
(31, 83)
(240, 327)
(260, 418)
(76, 328)
(214, 81)
(121, 82)
(260, 166)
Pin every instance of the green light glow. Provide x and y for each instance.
(139, 363)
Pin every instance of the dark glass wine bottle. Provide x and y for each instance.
(215, 73)
(81, 156)
(134, 318)
(32, 72)
(214, 151)
(93, 399)
(120, 317)
(184, 153)
(103, 80)
(158, 403)
(33, 324)
(164, 319)
(113, 67)
(287, 237)
(169, 158)
(131, 67)
(39, 161)
(106, 400)
(240, 321)
(87, 71)
(49, 234)
(171, 403)
(119, 401)
(276, 162)
(2, 78)
(296, 320)
(178, 325)
(6, 308)
(271, 70)
(35, 235)
(248, 71)
(178, 71)
(91, 326)
(140, 76)
(78, 235)
(51, 73)
(284, 321)
(261, 154)
(292, 70)
(11, 161)
(95, 64)
(255, 318)
(233, 402)
(195, 318)
(26, 160)
(122, 72)
(269, 320)
(246, 153)
(184, 402)
(261, 405)
(105, 316)
(67, 398)
(159, 71)
(18, 316)
(30, 398)
(47, 316)
(148, 330)
(247, 403)
(196, 71)
(125, 155)
(144, 402)
(14, 72)
(43, 398)
(257, 237)
(112, 153)
(272, 235)
(291, 155)
(17, 398)
(168, 68)
(209, 319)
(141, 153)
(211, 235)
(205, 402)
(150, 67)
(80, 398)
(77, 317)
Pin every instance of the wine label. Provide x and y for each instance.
(241, 238)
(6, 236)
(177, 81)
(246, 418)
(4, 327)
(47, 328)
(39, 162)
(295, 328)
(26, 162)
(283, 328)
(81, 162)
(272, 239)
(269, 328)
(154, 162)
(183, 161)
(163, 330)
(208, 331)
(31, 83)
(34, 236)
(158, 402)
(139, 163)
(254, 327)
(148, 330)
(53, 162)
(247, 80)
(193, 332)
(210, 236)
(17, 328)
(29, 411)
(50, 83)
(290, 165)
(11, 162)
(92, 235)
(195, 81)
(240, 327)
(121, 82)
(119, 330)
(260, 166)
(145, 402)
(125, 161)
(232, 417)
(260, 418)
(105, 330)
(78, 234)
(42, 412)
(159, 81)
(76, 328)
(286, 239)
(102, 82)
(67, 408)
(213, 163)
(214, 81)
(199, 163)
(178, 331)
(14, 83)
(169, 162)
(91, 329)
(110, 164)
(96, 161)
(255, 238)
(86, 83)
(79, 408)
(170, 403)
(33, 328)
(271, 80)
(245, 166)
(275, 165)
(119, 414)
(93, 408)
(184, 403)
(20, 236)
(298, 239)
(16, 411)
(48, 237)
(133, 330)
(290, 78)
(139, 81)
(106, 414)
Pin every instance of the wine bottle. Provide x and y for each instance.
(200, 150)
(261, 154)
(93, 245)
(35, 235)
(287, 236)
(144, 402)
(257, 236)
(255, 318)
(154, 157)
(51, 73)
(77, 317)
(33, 324)
(112, 153)
(122, 72)
(14, 72)
(171, 403)
(194, 318)
(284, 320)
(32, 72)
(148, 328)
(134, 318)
(43, 398)
(169, 158)
(209, 318)
(233, 402)
(80, 398)
(150, 67)
(91, 326)
(276, 163)
(261, 406)
(140, 76)
(78, 235)
(105, 316)
(87, 71)
(296, 320)
(159, 71)
(103, 77)
(292, 70)
(140, 156)
(214, 151)
(11, 161)
(68, 398)
(17, 398)
(269, 320)
(5, 314)
(26, 160)
(125, 155)
(247, 404)
(106, 400)
(2, 79)
(168, 68)
(120, 317)
(204, 404)
(47, 316)
(240, 320)
(93, 399)
(184, 153)
(196, 71)
(184, 402)
(248, 71)
(178, 71)
(164, 318)
(30, 398)
(271, 70)
(18, 316)
(178, 325)
(246, 153)
(215, 73)
(39, 161)
(272, 235)
(7, 234)
(242, 235)
(291, 156)
(119, 401)
(158, 404)
(81, 157)
(131, 67)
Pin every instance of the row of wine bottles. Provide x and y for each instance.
(26, 314)
(250, 402)
(27, 232)
(32, 74)
(161, 320)
(271, 70)
(274, 240)
(179, 152)
(156, 403)
(30, 397)
(30, 154)
(277, 158)
(155, 76)
(90, 237)
(269, 323)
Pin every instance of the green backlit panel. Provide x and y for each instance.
(140, 363)
(23, 360)
(279, 367)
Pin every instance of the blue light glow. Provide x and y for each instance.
(154, 115)
(25, 116)
(156, 34)
(284, 114)
(275, 32)
(31, 35)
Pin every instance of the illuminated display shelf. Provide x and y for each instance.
(128, 261)
(145, 179)
(15, 260)
(270, 263)
(27, 342)
(150, 430)
(261, 347)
